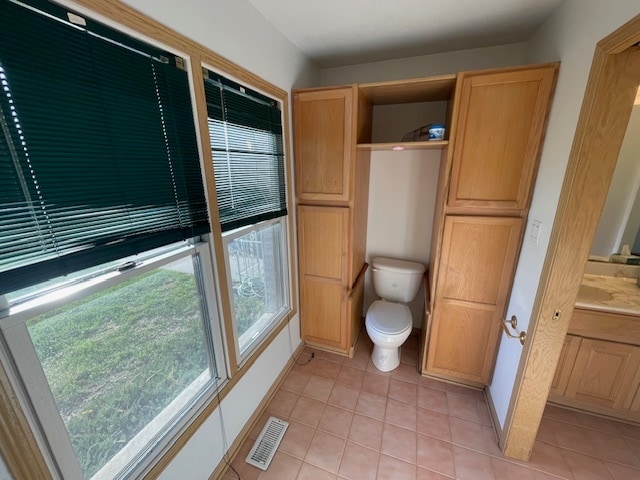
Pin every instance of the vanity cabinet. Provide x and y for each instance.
(487, 174)
(332, 188)
(599, 369)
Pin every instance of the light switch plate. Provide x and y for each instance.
(536, 231)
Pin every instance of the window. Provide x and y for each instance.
(245, 132)
(105, 265)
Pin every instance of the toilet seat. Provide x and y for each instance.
(389, 318)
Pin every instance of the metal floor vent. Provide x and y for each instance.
(267, 443)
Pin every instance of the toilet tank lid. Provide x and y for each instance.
(396, 265)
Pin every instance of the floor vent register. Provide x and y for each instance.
(267, 443)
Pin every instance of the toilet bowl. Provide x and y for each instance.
(389, 321)
(388, 326)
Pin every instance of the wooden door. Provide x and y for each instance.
(565, 365)
(323, 142)
(501, 117)
(474, 279)
(603, 374)
(322, 243)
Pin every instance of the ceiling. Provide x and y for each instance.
(345, 32)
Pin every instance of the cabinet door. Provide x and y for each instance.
(322, 240)
(603, 374)
(565, 364)
(501, 117)
(474, 279)
(323, 126)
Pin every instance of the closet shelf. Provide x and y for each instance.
(427, 145)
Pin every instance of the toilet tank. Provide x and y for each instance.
(396, 280)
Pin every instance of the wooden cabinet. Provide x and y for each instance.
(323, 122)
(501, 115)
(332, 185)
(600, 371)
(476, 267)
(485, 185)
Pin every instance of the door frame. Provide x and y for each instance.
(606, 107)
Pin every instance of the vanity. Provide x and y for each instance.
(599, 368)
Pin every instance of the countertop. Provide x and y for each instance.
(610, 294)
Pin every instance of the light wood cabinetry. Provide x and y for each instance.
(476, 267)
(599, 369)
(487, 174)
(500, 122)
(332, 185)
(323, 122)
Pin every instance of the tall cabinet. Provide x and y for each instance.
(332, 187)
(484, 196)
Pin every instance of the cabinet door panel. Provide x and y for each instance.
(475, 265)
(321, 311)
(565, 364)
(501, 117)
(322, 235)
(323, 144)
(476, 270)
(603, 373)
(463, 341)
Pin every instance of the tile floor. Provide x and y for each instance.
(348, 421)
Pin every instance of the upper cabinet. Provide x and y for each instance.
(324, 139)
(500, 121)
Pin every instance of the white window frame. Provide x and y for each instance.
(30, 381)
(227, 237)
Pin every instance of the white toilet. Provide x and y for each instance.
(389, 321)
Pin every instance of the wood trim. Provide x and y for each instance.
(18, 445)
(607, 104)
(234, 448)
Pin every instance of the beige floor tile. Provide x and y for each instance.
(311, 472)
(375, 383)
(399, 443)
(614, 448)
(434, 424)
(371, 405)
(401, 414)
(504, 470)
(391, 468)
(327, 369)
(325, 451)
(408, 373)
(296, 440)
(282, 467)
(432, 399)
(622, 472)
(548, 458)
(366, 431)
(351, 377)
(435, 454)
(462, 406)
(358, 463)
(318, 388)
(295, 381)
(472, 465)
(282, 404)
(336, 420)
(585, 467)
(402, 391)
(424, 474)
(307, 411)
(473, 436)
(344, 397)
(304, 363)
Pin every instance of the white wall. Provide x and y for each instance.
(236, 31)
(569, 35)
(426, 65)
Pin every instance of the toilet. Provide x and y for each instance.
(388, 320)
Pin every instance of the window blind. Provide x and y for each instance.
(245, 130)
(98, 152)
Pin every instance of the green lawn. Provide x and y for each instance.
(114, 360)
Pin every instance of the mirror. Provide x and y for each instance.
(620, 219)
